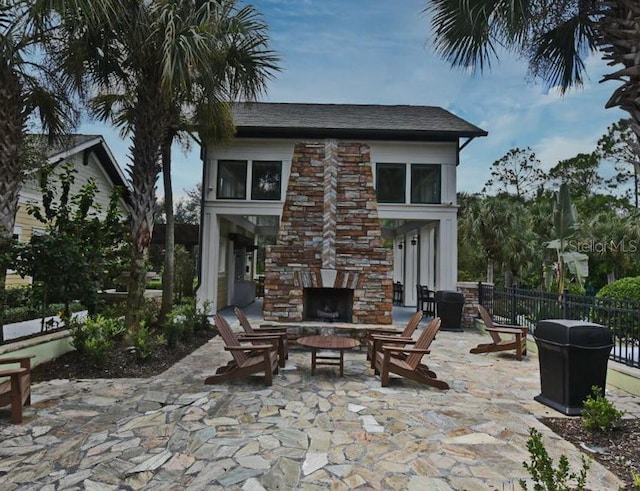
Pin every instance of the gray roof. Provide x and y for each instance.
(351, 121)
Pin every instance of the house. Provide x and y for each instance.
(91, 158)
(354, 197)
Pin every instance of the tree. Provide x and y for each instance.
(622, 145)
(579, 173)
(139, 58)
(188, 208)
(28, 87)
(554, 36)
(516, 173)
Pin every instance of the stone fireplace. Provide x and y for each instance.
(329, 263)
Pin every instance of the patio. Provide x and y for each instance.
(304, 432)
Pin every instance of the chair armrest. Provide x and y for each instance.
(508, 330)
(395, 349)
(397, 339)
(509, 326)
(257, 337)
(384, 331)
(16, 359)
(266, 334)
(267, 329)
(249, 348)
(12, 371)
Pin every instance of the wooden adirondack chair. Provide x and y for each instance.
(518, 343)
(247, 359)
(280, 332)
(406, 361)
(16, 389)
(377, 337)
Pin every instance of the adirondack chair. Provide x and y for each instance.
(406, 361)
(517, 343)
(247, 359)
(280, 332)
(379, 336)
(16, 389)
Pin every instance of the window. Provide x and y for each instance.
(265, 179)
(232, 179)
(17, 232)
(425, 183)
(390, 183)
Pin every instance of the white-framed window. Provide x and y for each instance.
(222, 257)
(17, 234)
(258, 180)
(37, 231)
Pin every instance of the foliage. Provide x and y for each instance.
(95, 336)
(154, 285)
(636, 480)
(621, 145)
(616, 296)
(569, 263)
(145, 341)
(184, 320)
(544, 474)
(188, 208)
(599, 413)
(185, 273)
(517, 173)
(73, 259)
(579, 173)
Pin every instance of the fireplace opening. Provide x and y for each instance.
(328, 304)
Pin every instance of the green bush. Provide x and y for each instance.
(611, 299)
(543, 473)
(183, 321)
(95, 336)
(145, 342)
(154, 285)
(599, 413)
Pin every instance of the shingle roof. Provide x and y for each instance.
(351, 120)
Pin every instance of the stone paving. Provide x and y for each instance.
(171, 432)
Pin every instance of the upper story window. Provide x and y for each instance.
(262, 177)
(232, 179)
(425, 183)
(266, 177)
(390, 182)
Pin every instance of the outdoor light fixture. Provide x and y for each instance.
(414, 241)
(400, 245)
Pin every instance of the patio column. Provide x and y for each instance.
(447, 254)
(209, 262)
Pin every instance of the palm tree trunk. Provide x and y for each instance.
(149, 128)
(490, 270)
(12, 122)
(168, 274)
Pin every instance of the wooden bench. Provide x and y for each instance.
(16, 390)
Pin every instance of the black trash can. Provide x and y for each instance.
(573, 357)
(449, 308)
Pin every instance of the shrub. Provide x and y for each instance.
(542, 471)
(183, 321)
(95, 336)
(145, 342)
(599, 413)
(154, 285)
(610, 303)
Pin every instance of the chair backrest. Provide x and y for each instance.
(412, 325)
(244, 322)
(488, 322)
(423, 342)
(229, 338)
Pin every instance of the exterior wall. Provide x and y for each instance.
(437, 222)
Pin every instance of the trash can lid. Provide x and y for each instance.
(449, 295)
(573, 333)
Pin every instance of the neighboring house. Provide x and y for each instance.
(357, 195)
(91, 158)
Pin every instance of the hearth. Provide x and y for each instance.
(328, 304)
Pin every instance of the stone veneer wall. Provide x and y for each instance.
(329, 235)
(471, 300)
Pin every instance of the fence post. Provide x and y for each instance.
(513, 306)
(480, 293)
(565, 303)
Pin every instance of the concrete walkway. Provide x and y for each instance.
(319, 432)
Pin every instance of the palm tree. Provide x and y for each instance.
(554, 35)
(27, 88)
(146, 53)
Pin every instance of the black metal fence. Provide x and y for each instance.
(526, 307)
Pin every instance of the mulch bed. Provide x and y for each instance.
(618, 451)
(121, 362)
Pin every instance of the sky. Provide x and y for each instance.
(380, 52)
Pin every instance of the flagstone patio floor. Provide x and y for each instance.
(171, 432)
